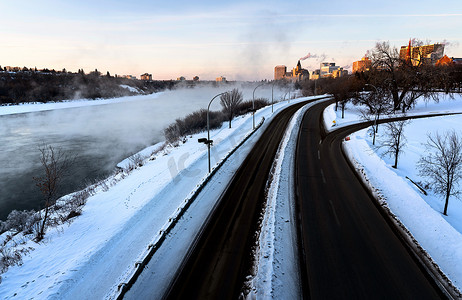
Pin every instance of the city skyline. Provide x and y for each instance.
(241, 40)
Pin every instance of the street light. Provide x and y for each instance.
(272, 101)
(373, 87)
(207, 140)
(375, 112)
(253, 104)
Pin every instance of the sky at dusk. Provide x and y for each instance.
(241, 40)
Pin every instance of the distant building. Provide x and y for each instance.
(444, 61)
(128, 76)
(362, 65)
(427, 54)
(146, 76)
(181, 78)
(448, 61)
(315, 74)
(340, 72)
(196, 78)
(327, 69)
(297, 73)
(280, 72)
(220, 79)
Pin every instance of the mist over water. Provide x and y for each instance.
(101, 136)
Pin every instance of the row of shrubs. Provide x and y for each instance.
(28, 222)
(197, 121)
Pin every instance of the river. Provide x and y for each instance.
(100, 136)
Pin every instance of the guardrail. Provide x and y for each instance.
(123, 287)
(418, 186)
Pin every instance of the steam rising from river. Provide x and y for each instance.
(100, 135)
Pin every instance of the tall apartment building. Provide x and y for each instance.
(280, 72)
(362, 65)
(327, 69)
(427, 54)
(340, 72)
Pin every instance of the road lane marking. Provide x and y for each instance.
(335, 214)
(323, 178)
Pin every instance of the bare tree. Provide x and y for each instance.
(230, 102)
(55, 164)
(377, 104)
(443, 164)
(405, 80)
(395, 140)
(385, 63)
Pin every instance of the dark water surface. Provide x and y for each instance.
(100, 136)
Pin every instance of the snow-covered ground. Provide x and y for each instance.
(439, 235)
(93, 254)
(118, 223)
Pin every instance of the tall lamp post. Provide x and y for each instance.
(375, 117)
(272, 98)
(377, 91)
(253, 104)
(207, 140)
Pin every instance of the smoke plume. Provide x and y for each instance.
(320, 57)
(308, 56)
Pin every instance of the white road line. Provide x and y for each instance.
(323, 178)
(335, 214)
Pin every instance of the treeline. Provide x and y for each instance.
(32, 86)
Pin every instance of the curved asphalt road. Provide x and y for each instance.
(349, 251)
(217, 264)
